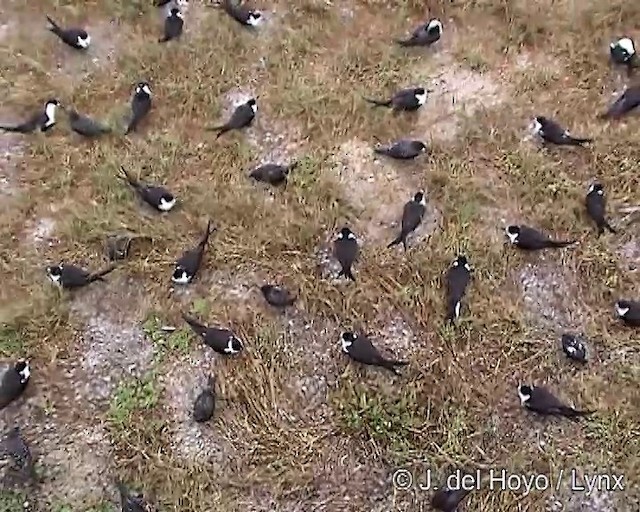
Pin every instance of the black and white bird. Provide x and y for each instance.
(205, 404)
(158, 197)
(86, 126)
(404, 100)
(596, 205)
(42, 121)
(277, 296)
(189, 263)
(173, 25)
(412, 215)
(629, 312)
(552, 132)
(628, 101)
(574, 347)
(359, 348)
(425, 35)
(273, 174)
(540, 400)
(242, 117)
(70, 277)
(15, 446)
(14, 382)
(448, 500)
(140, 106)
(222, 341)
(458, 277)
(529, 239)
(242, 14)
(623, 52)
(131, 502)
(402, 149)
(77, 38)
(346, 250)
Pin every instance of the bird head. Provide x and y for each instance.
(167, 201)
(536, 124)
(180, 275)
(435, 25)
(420, 198)
(622, 308)
(524, 392)
(596, 188)
(22, 368)
(461, 261)
(254, 19)
(513, 232)
(143, 89)
(84, 39)
(346, 340)
(345, 233)
(55, 273)
(234, 345)
(420, 94)
(420, 146)
(175, 13)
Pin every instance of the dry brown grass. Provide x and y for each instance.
(298, 428)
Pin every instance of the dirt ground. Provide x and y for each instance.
(297, 428)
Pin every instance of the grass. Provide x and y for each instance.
(297, 424)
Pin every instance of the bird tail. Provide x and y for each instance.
(346, 272)
(194, 324)
(609, 228)
(392, 365)
(127, 177)
(164, 39)
(122, 489)
(380, 150)
(570, 412)
(378, 103)
(220, 129)
(404, 42)
(99, 276)
(399, 239)
(577, 141)
(54, 26)
(561, 243)
(293, 165)
(205, 237)
(14, 129)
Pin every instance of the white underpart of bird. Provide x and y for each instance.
(345, 344)
(165, 205)
(523, 398)
(626, 44)
(254, 107)
(468, 267)
(457, 309)
(146, 89)
(423, 201)
(50, 112)
(620, 310)
(512, 237)
(84, 42)
(571, 350)
(180, 15)
(422, 98)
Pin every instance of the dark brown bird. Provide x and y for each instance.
(540, 400)
(277, 296)
(447, 500)
(205, 404)
(596, 205)
(223, 341)
(359, 348)
(273, 174)
(15, 447)
(189, 263)
(14, 382)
